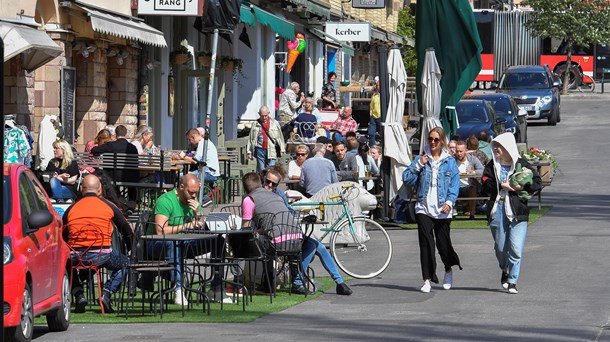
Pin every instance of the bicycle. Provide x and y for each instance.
(360, 246)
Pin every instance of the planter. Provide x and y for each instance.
(546, 173)
(228, 65)
(204, 61)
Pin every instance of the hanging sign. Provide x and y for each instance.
(170, 7)
(368, 3)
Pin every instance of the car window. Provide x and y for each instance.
(27, 200)
(6, 199)
(40, 195)
(501, 107)
(525, 80)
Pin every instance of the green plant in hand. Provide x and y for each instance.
(522, 176)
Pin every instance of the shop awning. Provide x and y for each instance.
(394, 38)
(348, 50)
(318, 9)
(376, 34)
(37, 47)
(251, 14)
(125, 27)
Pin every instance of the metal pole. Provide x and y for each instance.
(383, 101)
(202, 166)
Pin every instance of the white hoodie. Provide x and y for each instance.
(507, 140)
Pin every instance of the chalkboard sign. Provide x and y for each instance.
(68, 92)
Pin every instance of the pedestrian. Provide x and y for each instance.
(375, 115)
(437, 180)
(266, 141)
(507, 181)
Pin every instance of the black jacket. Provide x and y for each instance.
(491, 187)
(120, 145)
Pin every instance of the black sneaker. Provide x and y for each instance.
(512, 288)
(300, 289)
(343, 289)
(504, 280)
(106, 302)
(81, 303)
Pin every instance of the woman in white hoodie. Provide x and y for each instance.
(507, 210)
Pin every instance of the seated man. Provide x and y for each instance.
(345, 123)
(311, 247)
(468, 164)
(317, 172)
(346, 165)
(170, 214)
(96, 210)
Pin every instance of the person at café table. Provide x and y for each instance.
(295, 166)
(143, 141)
(170, 213)
(94, 209)
(345, 123)
(212, 170)
(121, 145)
(468, 164)
(311, 247)
(346, 165)
(317, 172)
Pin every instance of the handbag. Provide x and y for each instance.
(278, 149)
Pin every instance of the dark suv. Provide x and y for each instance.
(535, 90)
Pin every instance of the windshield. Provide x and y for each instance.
(525, 80)
(501, 106)
(471, 113)
(6, 196)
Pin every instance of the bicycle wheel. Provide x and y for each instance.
(363, 252)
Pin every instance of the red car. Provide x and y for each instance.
(36, 258)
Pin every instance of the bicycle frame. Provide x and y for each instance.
(346, 213)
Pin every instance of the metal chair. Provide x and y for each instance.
(86, 252)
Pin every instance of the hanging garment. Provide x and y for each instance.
(46, 137)
(16, 146)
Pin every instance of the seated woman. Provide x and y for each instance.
(64, 173)
(306, 122)
(103, 136)
(143, 141)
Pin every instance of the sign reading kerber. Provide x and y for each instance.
(170, 7)
(349, 32)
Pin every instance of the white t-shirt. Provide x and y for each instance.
(294, 169)
(464, 167)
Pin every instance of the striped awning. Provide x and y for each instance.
(124, 27)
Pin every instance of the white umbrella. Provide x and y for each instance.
(431, 96)
(396, 145)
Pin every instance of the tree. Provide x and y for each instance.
(406, 28)
(578, 22)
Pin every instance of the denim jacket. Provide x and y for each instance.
(421, 177)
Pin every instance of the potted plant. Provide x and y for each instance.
(535, 155)
(204, 58)
(180, 56)
(231, 64)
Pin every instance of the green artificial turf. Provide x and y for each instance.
(480, 221)
(231, 313)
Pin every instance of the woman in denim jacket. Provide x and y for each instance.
(436, 176)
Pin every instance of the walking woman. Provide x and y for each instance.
(507, 179)
(436, 177)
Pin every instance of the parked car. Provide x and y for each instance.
(36, 258)
(478, 115)
(506, 107)
(535, 89)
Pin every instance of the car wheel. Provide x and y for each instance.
(59, 319)
(24, 331)
(552, 121)
(558, 114)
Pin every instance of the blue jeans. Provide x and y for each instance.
(206, 177)
(509, 239)
(374, 126)
(114, 261)
(313, 247)
(262, 162)
(60, 191)
(191, 249)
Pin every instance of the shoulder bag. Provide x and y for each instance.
(278, 148)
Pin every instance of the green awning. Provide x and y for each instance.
(247, 16)
(348, 50)
(318, 9)
(251, 14)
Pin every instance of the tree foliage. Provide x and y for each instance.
(406, 28)
(578, 22)
(584, 22)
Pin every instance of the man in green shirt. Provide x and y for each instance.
(174, 211)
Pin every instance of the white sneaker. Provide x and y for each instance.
(426, 288)
(216, 295)
(448, 280)
(179, 298)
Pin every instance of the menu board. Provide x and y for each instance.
(68, 92)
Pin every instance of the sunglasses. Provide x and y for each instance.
(434, 140)
(301, 154)
(273, 184)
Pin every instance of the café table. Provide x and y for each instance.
(178, 241)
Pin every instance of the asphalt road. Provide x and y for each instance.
(563, 289)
